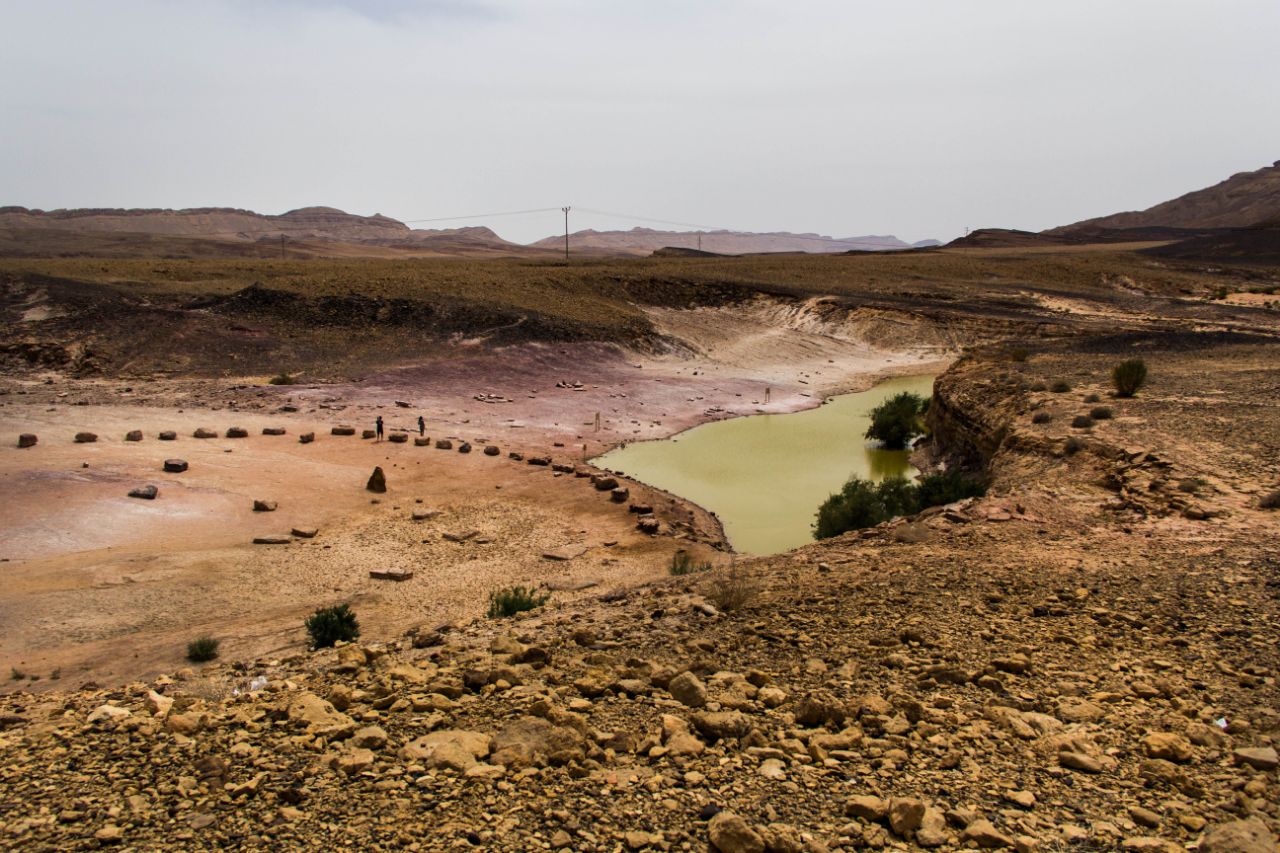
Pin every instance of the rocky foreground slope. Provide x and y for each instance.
(1086, 659)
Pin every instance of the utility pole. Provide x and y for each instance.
(566, 232)
(699, 241)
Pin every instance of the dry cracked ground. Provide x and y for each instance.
(1084, 660)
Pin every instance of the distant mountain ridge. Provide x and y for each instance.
(1244, 200)
(644, 241)
(85, 230)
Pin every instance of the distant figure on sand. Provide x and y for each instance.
(422, 426)
(378, 426)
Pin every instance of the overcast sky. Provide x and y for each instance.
(912, 117)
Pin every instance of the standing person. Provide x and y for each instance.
(422, 426)
(378, 426)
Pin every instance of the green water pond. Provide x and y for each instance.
(765, 475)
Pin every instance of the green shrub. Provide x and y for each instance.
(1082, 422)
(329, 625)
(862, 503)
(1093, 398)
(896, 421)
(1019, 354)
(1101, 413)
(202, 649)
(282, 379)
(1072, 446)
(1128, 376)
(1039, 386)
(1271, 501)
(948, 487)
(513, 600)
(683, 564)
(1061, 386)
(1041, 418)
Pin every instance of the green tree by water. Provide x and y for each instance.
(896, 421)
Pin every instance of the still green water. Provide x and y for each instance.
(765, 475)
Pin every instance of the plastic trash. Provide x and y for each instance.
(1221, 723)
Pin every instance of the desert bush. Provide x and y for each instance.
(1082, 422)
(1039, 386)
(1041, 418)
(202, 649)
(897, 420)
(1128, 376)
(732, 589)
(1271, 501)
(1101, 413)
(513, 600)
(1060, 386)
(1093, 398)
(862, 503)
(329, 625)
(1019, 354)
(1072, 446)
(682, 564)
(282, 379)
(948, 487)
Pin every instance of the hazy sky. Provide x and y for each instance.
(911, 117)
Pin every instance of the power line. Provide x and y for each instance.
(789, 236)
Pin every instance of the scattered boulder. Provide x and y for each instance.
(540, 460)
(271, 540)
(515, 456)
(492, 450)
(306, 438)
(464, 447)
(377, 481)
(535, 742)
(318, 717)
(688, 689)
(1169, 746)
(729, 833)
(343, 429)
(146, 493)
(422, 441)
(86, 437)
(983, 833)
(620, 495)
(718, 725)
(175, 466)
(398, 438)
(27, 439)
(1239, 836)
(648, 524)
(264, 506)
(133, 435)
(204, 433)
(1259, 758)
(304, 532)
(391, 574)
(444, 444)
(368, 433)
(237, 432)
(273, 431)
(168, 435)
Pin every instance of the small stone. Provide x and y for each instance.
(146, 493)
(168, 435)
(108, 713)
(175, 466)
(866, 807)
(264, 506)
(237, 432)
(306, 438)
(133, 435)
(86, 438)
(304, 532)
(1144, 817)
(27, 439)
(109, 834)
(905, 815)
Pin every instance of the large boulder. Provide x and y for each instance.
(319, 717)
(716, 725)
(306, 438)
(175, 466)
(86, 437)
(27, 439)
(492, 450)
(168, 435)
(454, 749)
(133, 435)
(237, 432)
(688, 689)
(377, 481)
(729, 833)
(204, 433)
(1239, 836)
(535, 742)
(343, 430)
